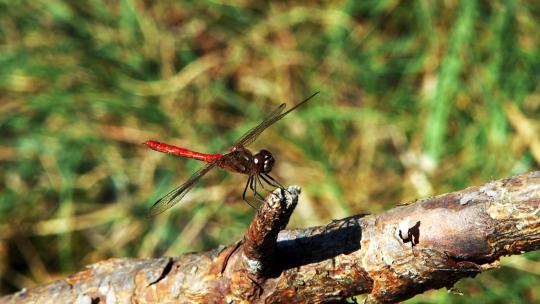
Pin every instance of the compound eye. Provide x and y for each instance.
(268, 164)
(264, 161)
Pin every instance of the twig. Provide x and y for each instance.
(428, 244)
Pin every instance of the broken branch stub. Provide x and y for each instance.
(428, 244)
(259, 244)
(258, 249)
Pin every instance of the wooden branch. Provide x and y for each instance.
(428, 244)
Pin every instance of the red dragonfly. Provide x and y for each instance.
(239, 159)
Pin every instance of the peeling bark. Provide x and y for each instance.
(428, 244)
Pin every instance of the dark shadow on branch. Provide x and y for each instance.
(413, 235)
(331, 242)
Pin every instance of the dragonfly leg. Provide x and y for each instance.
(253, 186)
(249, 182)
(259, 177)
(271, 181)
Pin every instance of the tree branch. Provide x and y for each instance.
(428, 244)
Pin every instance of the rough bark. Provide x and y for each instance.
(428, 244)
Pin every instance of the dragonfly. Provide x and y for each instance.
(238, 159)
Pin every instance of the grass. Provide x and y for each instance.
(417, 99)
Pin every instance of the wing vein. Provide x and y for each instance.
(176, 195)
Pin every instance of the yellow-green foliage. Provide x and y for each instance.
(417, 98)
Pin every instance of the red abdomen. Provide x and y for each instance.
(174, 150)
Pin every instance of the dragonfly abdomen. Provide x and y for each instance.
(174, 150)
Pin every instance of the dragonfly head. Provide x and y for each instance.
(263, 161)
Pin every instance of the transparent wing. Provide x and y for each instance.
(276, 115)
(252, 134)
(173, 197)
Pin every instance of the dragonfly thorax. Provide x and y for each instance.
(263, 161)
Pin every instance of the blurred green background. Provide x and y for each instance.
(417, 98)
